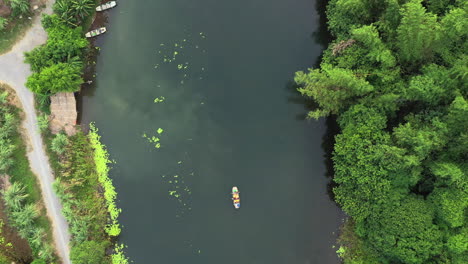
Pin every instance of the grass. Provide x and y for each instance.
(13, 32)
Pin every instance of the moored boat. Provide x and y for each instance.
(95, 32)
(235, 197)
(106, 6)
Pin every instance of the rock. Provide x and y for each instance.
(35, 7)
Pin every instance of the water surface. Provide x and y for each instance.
(230, 116)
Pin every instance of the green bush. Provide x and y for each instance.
(3, 23)
(88, 252)
(39, 261)
(59, 143)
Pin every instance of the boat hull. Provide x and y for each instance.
(96, 32)
(106, 6)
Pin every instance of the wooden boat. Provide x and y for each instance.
(106, 6)
(235, 197)
(95, 32)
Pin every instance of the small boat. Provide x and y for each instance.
(95, 32)
(235, 197)
(106, 6)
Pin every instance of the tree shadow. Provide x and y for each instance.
(328, 142)
(322, 36)
(88, 88)
(295, 97)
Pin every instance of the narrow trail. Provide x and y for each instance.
(14, 72)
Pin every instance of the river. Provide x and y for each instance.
(228, 115)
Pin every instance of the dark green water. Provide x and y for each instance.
(230, 118)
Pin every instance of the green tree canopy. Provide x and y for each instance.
(333, 88)
(405, 232)
(418, 34)
(63, 45)
(61, 77)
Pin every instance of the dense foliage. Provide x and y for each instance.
(88, 252)
(396, 78)
(23, 216)
(83, 173)
(101, 159)
(74, 12)
(25, 221)
(18, 7)
(8, 125)
(57, 65)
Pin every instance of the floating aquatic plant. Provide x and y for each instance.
(159, 99)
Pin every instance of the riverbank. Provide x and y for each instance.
(395, 77)
(81, 182)
(80, 163)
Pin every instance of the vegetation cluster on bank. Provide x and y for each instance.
(396, 79)
(80, 162)
(88, 197)
(25, 232)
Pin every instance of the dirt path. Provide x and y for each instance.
(14, 72)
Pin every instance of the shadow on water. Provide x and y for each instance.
(322, 36)
(88, 88)
(328, 142)
(295, 97)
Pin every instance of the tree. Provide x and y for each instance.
(3, 23)
(450, 204)
(19, 7)
(75, 11)
(454, 28)
(64, 45)
(434, 86)
(334, 89)
(405, 232)
(418, 34)
(82, 8)
(14, 196)
(88, 252)
(344, 15)
(59, 143)
(377, 51)
(458, 243)
(60, 77)
(363, 161)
